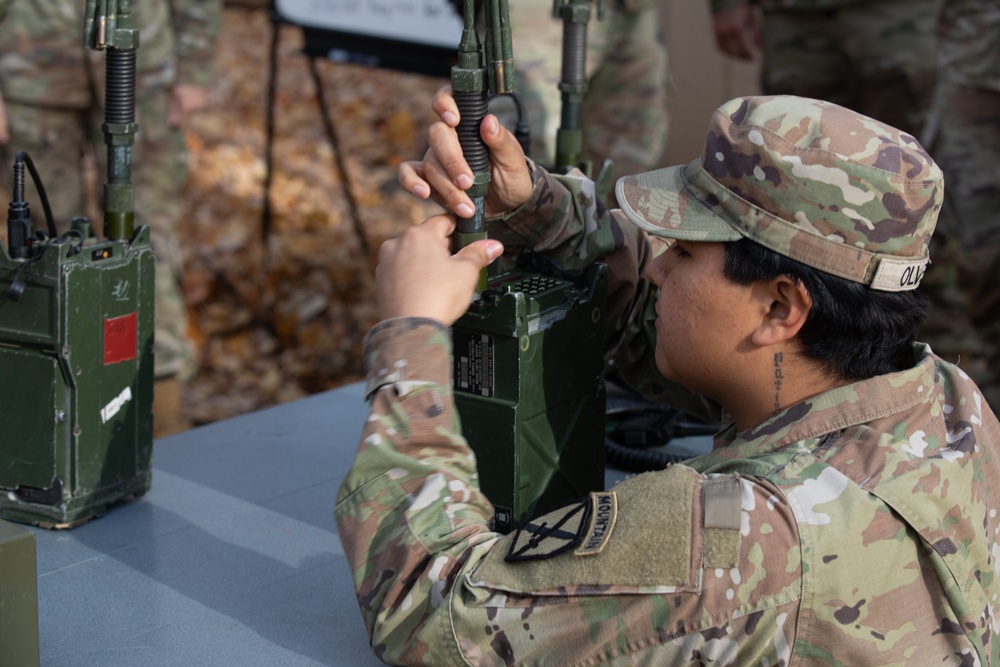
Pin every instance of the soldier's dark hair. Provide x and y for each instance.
(853, 331)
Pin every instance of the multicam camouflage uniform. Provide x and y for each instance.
(874, 56)
(964, 137)
(858, 527)
(53, 90)
(625, 115)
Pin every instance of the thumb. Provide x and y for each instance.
(480, 253)
(505, 151)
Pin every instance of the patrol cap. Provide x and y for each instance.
(811, 180)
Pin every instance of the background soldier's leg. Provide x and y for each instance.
(537, 45)
(967, 147)
(626, 118)
(801, 56)
(159, 172)
(56, 141)
(537, 48)
(891, 45)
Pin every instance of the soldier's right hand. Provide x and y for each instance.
(444, 174)
(418, 276)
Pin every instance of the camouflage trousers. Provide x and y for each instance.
(59, 142)
(963, 282)
(876, 57)
(624, 113)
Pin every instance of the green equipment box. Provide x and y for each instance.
(76, 362)
(528, 364)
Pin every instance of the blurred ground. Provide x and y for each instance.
(281, 319)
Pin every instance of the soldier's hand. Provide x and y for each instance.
(418, 276)
(4, 130)
(444, 174)
(737, 31)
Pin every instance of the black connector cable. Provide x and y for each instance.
(530, 260)
(639, 431)
(20, 236)
(39, 187)
(19, 224)
(522, 129)
(17, 285)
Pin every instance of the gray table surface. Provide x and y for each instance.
(232, 557)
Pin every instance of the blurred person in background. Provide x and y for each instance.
(876, 57)
(963, 135)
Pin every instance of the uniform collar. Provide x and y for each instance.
(834, 410)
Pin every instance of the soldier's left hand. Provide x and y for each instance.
(418, 276)
(444, 174)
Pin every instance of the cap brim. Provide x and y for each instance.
(662, 203)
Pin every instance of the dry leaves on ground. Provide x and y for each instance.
(281, 317)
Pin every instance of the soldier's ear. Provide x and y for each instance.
(786, 306)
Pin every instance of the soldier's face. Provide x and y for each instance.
(704, 320)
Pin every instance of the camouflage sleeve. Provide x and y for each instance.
(409, 513)
(566, 221)
(196, 26)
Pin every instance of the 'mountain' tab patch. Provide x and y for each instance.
(603, 514)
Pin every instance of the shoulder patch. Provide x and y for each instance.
(645, 536)
(552, 533)
(587, 522)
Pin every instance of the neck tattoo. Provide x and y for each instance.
(778, 378)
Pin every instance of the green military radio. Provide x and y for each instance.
(76, 329)
(527, 376)
(528, 354)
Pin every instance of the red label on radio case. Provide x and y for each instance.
(119, 339)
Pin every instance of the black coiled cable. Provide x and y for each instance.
(472, 108)
(640, 430)
(574, 54)
(119, 96)
(22, 160)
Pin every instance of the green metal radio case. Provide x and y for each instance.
(76, 361)
(528, 363)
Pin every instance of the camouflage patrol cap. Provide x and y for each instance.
(826, 186)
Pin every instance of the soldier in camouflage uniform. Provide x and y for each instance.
(964, 136)
(874, 56)
(846, 515)
(52, 88)
(625, 109)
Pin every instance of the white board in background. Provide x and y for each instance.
(430, 22)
